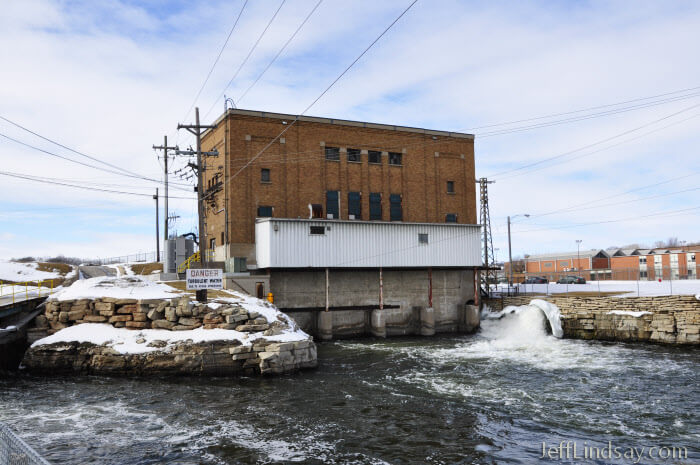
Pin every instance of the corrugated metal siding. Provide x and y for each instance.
(348, 244)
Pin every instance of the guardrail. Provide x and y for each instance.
(14, 451)
(27, 287)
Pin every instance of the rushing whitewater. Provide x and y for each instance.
(528, 313)
(491, 398)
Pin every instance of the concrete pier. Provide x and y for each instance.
(325, 326)
(378, 323)
(427, 321)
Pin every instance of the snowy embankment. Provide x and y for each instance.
(129, 318)
(621, 288)
(22, 272)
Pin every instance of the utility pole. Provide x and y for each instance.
(510, 256)
(155, 197)
(578, 254)
(165, 149)
(196, 129)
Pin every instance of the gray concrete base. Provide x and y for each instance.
(427, 321)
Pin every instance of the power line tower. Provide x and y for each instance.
(489, 275)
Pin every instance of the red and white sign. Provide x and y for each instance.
(204, 279)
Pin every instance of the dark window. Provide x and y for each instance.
(374, 156)
(316, 210)
(354, 205)
(450, 187)
(422, 238)
(375, 206)
(265, 175)
(451, 218)
(264, 212)
(317, 230)
(395, 212)
(354, 155)
(332, 204)
(212, 243)
(222, 239)
(332, 153)
(395, 158)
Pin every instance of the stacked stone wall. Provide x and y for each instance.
(671, 319)
(258, 355)
(179, 314)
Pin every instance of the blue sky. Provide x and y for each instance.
(110, 78)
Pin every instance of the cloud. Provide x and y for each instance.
(110, 78)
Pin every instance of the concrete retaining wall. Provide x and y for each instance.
(671, 319)
(354, 301)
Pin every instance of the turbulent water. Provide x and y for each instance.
(489, 398)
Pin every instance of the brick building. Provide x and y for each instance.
(354, 228)
(329, 168)
(618, 264)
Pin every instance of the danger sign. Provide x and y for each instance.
(204, 279)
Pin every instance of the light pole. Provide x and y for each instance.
(510, 256)
(578, 255)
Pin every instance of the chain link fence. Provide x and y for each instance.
(14, 451)
(145, 257)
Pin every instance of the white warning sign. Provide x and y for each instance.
(204, 279)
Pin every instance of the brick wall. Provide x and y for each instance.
(300, 175)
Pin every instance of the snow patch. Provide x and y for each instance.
(18, 272)
(127, 341)
(628, 313)
(131, 287)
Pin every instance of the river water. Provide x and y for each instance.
(493, 397)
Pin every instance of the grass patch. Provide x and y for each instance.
(146, 268)
(61, 268)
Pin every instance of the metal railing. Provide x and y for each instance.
(145, 257)
(194, 258)
(35, 288)
(14, 451)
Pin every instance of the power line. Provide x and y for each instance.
(585, 117)
(48, 181)
(574, 207)
(17, 141)
(632, 218)
(379, 144)
(245, 60)
(280, 51)
(131, 173)
(584, 109)
(607, 139)
(223, 47)
(296, 118)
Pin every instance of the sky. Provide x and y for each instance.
(618, 165)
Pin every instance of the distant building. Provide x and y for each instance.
(618, 264)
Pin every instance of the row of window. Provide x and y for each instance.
(355, 207)
(355, 155)
(265, 177)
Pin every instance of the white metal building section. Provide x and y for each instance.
(303, 243)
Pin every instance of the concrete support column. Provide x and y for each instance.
(325, 326)
(378, 323)
(427, 321)
(469, 319)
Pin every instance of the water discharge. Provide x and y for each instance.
(493, 397)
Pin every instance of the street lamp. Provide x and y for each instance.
(510, 256)
(578, 254)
